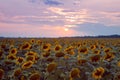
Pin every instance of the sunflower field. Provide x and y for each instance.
(60, 59)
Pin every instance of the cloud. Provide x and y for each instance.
(97, 29)
(52, 2)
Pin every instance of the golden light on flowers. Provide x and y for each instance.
(26, 46)
(1, 73)
(59, 54)
(35, 76)
(17, 72)
(27, 64)
(13, 51)
(51, 67)
(75, 73)
(98, 73)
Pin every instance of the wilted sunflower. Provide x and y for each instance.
(1, 74)
(51, 67)
(27, 64)
(13, 51)
(35, 76)
(95, 58)
(26, 46)
(59, 54)
(98, 73)
(74, 73)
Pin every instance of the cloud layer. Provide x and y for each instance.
(47, 17)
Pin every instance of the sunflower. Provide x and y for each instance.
(83, 50)
(51, 67)
(96, 51)
(35, 76)
(59, 54)
(92, 47)
(30, 58)
(109, 56)
(74, 73)
(30, 53)
(19, 60)
(46, 54)
(32, 41)
(50, 59)
(26, 46)
(98, 73)
(81, 61)
(1, 74)
(13, 51)
(11, 57)
(46, 47)
(27, 64)
(57, 48)
(17, 72)
(95, 58)
(106, 50)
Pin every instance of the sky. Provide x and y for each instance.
(59, 18)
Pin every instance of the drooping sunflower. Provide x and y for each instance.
(17, 72)
(51, 67)
(35, 76)
(98, 73)
(95, 58)
(59, 54)
(75, 73)
(27, 64)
